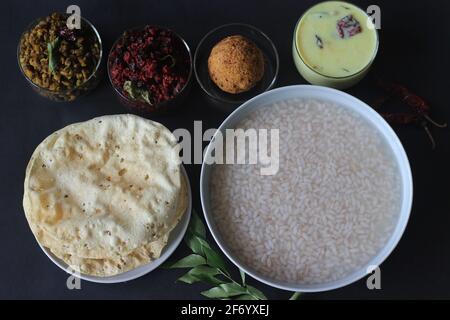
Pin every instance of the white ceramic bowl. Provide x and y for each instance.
(350, 102)
(175, 238)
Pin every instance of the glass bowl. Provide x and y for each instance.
(271, 62)
(142, 107)
(70, 94)
(317, 78)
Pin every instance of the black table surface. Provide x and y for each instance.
(414, 50)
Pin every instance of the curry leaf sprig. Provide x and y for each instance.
(208, 266)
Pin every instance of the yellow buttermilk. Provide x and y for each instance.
(322, 56)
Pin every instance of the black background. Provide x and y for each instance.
(414, 49)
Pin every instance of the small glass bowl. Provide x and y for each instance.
(317, 78)
(69, 94)
(271, 62)
(141, 107)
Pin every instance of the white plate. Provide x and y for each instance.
(175, 238)
(347, 101)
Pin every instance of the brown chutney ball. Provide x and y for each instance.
(236, 64)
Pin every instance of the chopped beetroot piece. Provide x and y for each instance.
(348, 26)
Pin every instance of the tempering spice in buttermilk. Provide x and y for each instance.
(348, 26)
(57, 58)
(150, 65)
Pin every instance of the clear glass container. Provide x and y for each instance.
(142, 107)
(271, 62)
(317, 77)
(70, 94)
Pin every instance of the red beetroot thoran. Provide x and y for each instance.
(153, 60)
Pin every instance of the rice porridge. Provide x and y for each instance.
(330, 208)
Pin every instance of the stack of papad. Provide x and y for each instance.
(103, 195)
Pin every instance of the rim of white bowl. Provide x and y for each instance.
(350, 102)
(175, 237)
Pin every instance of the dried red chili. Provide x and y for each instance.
(151, 65)
(348, 26)
(420, 108)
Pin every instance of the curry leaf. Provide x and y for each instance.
(319, 42)
(172, 59)
(204, 270)
(137, 93)
(295, 296)
(190, 261)
(208, 279)
(206, 274)
(197, 244)
(145, 96)
(201, 273)
(225, 290)
(242, 276)
(256, 293)
(246, 297)
(189, 279)
(193, 242)
(215, 260)
(196, 234)
(203, 242)
(215, 292)
(52, 48)
(196, 226)
(128, 88)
